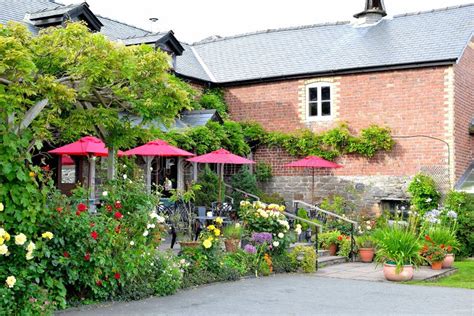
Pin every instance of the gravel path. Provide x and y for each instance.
(296, 294)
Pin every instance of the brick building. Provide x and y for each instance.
(413, 73)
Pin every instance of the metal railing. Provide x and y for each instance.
(256, 198)
(321, 215)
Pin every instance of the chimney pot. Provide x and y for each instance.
(374, 11)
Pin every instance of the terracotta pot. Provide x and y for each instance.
(231, 245)
(437, 265)
(366, 254)
(448, 261)
(332, 249)
(389, 271)
(189, 244)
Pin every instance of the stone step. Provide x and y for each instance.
(330, 260)
(323, 253)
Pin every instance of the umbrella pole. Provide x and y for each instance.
(92, 184)
(312, 188)
(148, 160)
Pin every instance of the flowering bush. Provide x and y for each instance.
(424, 194)
(433, 252)
(211, 235)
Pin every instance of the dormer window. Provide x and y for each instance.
(319, 101)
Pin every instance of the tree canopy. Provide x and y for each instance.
(67, 82)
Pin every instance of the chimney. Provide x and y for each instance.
(374, 12)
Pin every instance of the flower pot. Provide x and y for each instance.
(189, 244)
(390, 273)
(231, 245)
(332, 249)
(448, 261)
(366, 254)
(437, 265)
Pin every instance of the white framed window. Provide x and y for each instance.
(319, 101)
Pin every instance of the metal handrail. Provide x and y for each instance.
(296, 202)
(243, 192)
(320, 227)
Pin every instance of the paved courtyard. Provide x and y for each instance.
(371, 272)
(296, 294)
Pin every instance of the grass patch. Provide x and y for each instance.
(463, 278)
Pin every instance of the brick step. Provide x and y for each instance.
(330, 260)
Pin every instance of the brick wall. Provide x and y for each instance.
(464, 110)
(410, 102)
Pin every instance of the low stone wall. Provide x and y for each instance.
(365, 192)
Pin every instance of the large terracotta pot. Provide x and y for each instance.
(389, 271)
(332, 249)
(231, 245)
(448, 261)
(366, 254)
(437, 265)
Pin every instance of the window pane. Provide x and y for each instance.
(326, 93)
(326, 108)
(313, 109)
(313, 94)
(68, 170)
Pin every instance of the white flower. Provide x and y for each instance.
(402, 208)
(152, 264)
(281, 235)
(11, 280)
(276, 243)
(237, 225)
(132, 243)
(1, 207)
(29, 255)
(148, 226)
(428, 200)
(160, 219)
(105, 193)
(145, 233)
(31, 246)
(124, 177)
(2, 232)
(20, 239)
(209, 214)
(130, 181)
(182, 261)
(3, 249)
(153, 215)
(368, 227)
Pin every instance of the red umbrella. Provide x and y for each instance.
(313, 162)
(156, 148)
(86, 146)
(222, 156)
(66, 160)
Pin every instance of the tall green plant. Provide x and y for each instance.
(463, 204)
(245, 181)
(209, 182)
(424, 194)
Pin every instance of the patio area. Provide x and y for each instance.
(371, 272)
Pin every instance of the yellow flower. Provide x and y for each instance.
(1, 207)
(211, 227)
(219, 220)
(32, 174)
(11, 280)
(3, 250)
(217, 232)
(48, 235)
(2, 240)
(6, 236)
(20, 239)
(207, 244)
(282, 208)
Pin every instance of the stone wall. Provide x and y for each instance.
(365, 192)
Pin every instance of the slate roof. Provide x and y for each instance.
(437, 35)
(404, 40)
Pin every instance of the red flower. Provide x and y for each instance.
(347, 237)
(108, 208)
(98, 282)
(118, 215)
(59, 209)
(78, 213)
(46, 168)
(118, 205)
(92, 224)
(117, 229)
(66, 254)
(449, 249)
(339, 237)
(117, 276)
(94, 235)
(81, 207)
(87, 257)
(442, 246)
(427, 238)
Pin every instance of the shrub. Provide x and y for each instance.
(263, 172)
(424, 195)
(272, 198)
(365, 241)
(463, 204)
(304, 257)
(214, 99)
(283, 263)
(168, 274)
(234, 231)
(328, 238)
(209, 192)
(244, 181)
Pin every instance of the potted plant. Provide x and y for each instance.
(366, 246)
(446, 239)
(232, 236)
(435, 255)
(398, 249)
(329, 241)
